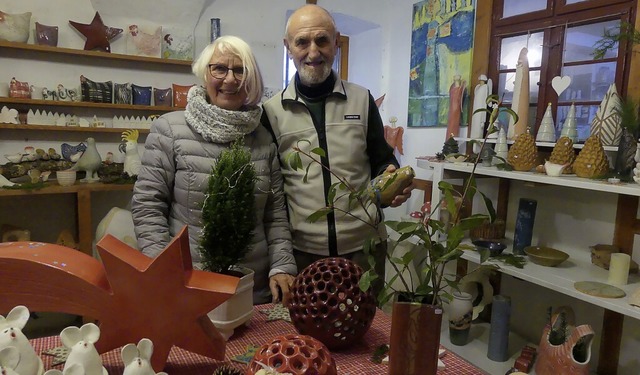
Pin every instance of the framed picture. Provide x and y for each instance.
(441, 48)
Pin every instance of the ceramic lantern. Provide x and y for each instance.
(523, 154)
(592, 161)
(294, 354)
(327, 303)
(563, 153)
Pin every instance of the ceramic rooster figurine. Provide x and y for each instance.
(146, 44)
(129, 147)
(89, 162)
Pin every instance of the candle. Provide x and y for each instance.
(619, 269)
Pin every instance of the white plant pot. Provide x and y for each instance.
(238, 309)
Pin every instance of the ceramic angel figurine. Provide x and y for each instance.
(137, 359)
(83, 352)
(11, 336)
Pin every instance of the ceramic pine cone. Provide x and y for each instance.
(523, 154)
(592, 162)
(563, 153)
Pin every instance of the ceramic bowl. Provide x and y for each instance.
(495, 247)
(66, 178)
(545, 256)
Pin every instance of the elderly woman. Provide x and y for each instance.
(179, 154)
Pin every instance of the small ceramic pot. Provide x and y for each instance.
(66, 178)
(141, 95)
(46, 35)
(15, 27)
(96, 92)
(180, 95)
(162, 97)
(122, 93)
(19, 89)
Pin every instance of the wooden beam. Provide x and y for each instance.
(312, 1)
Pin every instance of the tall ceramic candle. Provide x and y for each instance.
(619, 269)
(498, 346)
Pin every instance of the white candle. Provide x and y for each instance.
(619, 269)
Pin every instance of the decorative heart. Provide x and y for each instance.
(560, 83)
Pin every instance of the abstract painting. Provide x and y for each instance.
(441, 47)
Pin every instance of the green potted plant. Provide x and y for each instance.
(228, 217)
(435, 242)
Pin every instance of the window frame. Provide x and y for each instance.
(553, 30)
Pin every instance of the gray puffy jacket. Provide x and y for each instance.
(168, 195)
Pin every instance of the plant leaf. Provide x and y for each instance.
(319, 214)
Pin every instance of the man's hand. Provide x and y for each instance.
(280, 284)
(406, 193)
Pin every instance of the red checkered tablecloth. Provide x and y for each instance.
(353, 361)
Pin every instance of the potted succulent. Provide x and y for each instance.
(228, 217)
(436, 243)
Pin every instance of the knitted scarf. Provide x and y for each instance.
(216, 124)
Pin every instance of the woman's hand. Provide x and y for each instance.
(280, 284)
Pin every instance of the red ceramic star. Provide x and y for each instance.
(98, 35)
(132, 296)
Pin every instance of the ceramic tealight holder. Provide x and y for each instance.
(141, 95)
(66, 178)
(180, 95)
(46, 35)
(162, 97)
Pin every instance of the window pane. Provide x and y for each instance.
(506, 86)
(588, 82)
(581, 39)
(584, 116)
(576, 1)
(511, 47)
(516, 7)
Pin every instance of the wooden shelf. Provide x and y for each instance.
(82, 192)
(570, 181)
(54, 128)
(54, 188)
(92, 54)
(60, 103)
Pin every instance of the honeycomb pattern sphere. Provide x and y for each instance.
(295, 354)
(327, 303)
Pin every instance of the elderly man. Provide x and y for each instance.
(342, 119)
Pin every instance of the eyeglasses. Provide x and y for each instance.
(221, 71)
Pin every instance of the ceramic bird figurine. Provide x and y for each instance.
(89, 162)
(42, 155)
(30, 154)
(129, 147)
(69, 151)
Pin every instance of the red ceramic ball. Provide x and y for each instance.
(295, 354)
(327, 303)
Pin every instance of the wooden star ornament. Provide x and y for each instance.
(98, 35)
(130, 295)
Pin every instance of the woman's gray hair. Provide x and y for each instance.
(252, 81)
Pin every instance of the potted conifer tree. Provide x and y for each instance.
(228, 217)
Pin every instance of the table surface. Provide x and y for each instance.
(352, 361)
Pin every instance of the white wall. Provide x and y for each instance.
(379, 60)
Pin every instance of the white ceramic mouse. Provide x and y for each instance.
(75, 369)
(83, 351)
(9, 359)
(137, 359)
(11, 335)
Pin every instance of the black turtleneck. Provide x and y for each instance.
(316, 92)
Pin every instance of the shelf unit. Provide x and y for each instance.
(67, 129)
(82, 192)
(102, 60)
(578, 268)
(91, 54)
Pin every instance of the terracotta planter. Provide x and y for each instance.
(238, 309)
(570, 357)
(415, 338)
